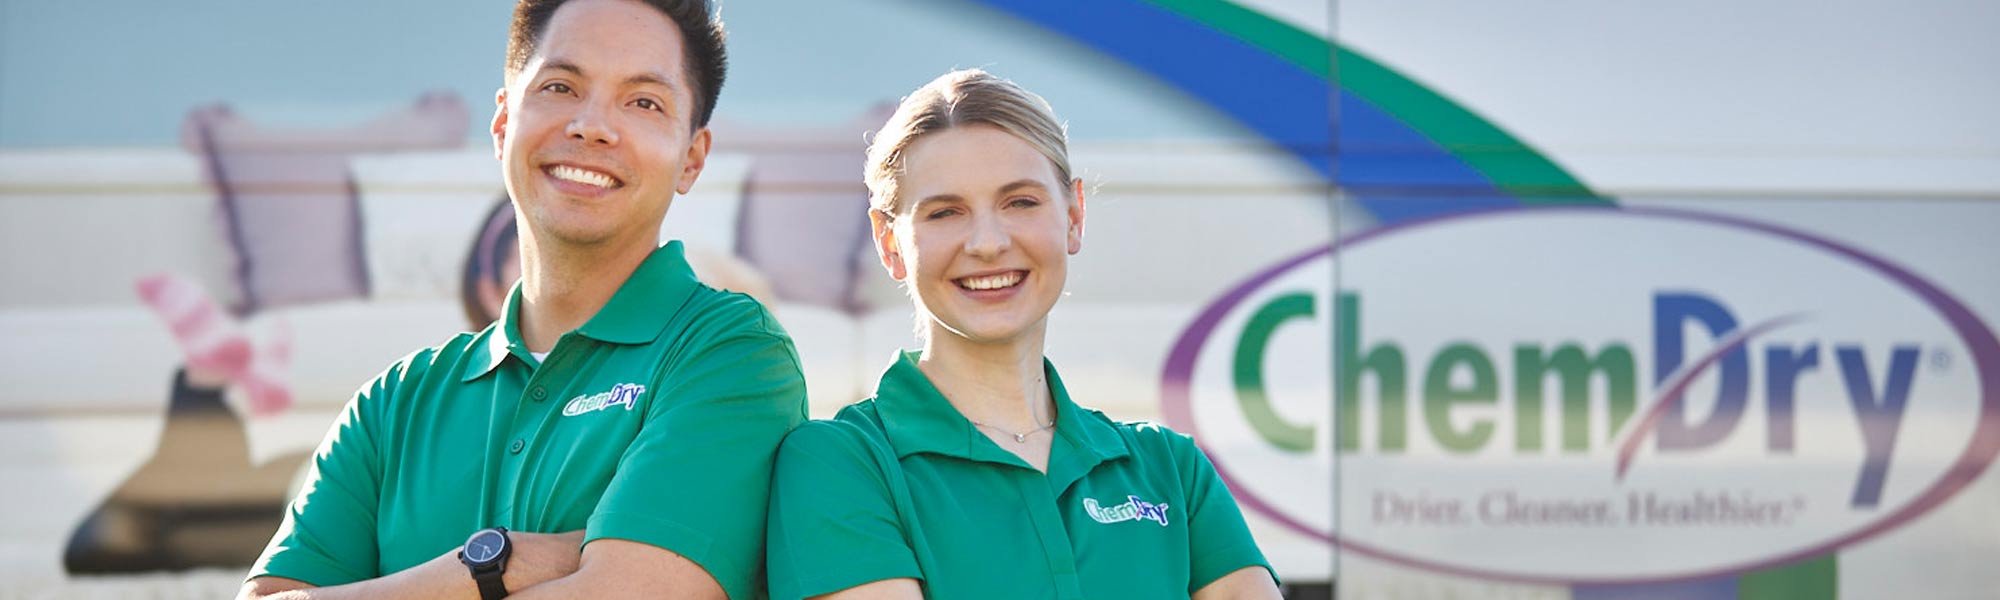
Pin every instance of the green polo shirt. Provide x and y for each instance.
(657, 421)
(901, 485)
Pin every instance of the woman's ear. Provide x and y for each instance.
(1076, 216)
(884, 228)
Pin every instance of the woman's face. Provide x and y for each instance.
(983, 233)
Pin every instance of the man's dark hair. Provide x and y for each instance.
(701, 36)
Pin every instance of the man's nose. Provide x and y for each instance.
(592, 125)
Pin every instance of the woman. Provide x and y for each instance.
(971, 474)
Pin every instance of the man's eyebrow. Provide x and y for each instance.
(647, 78)
(652, 78)
(564, 65)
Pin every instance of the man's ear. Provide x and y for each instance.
(884, 228)
(500, 124)
(1076, 216)
(697, 157)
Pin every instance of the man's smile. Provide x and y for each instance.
(583, 176)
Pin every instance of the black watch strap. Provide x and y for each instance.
(491, 585)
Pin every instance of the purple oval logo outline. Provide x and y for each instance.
(1176, 405)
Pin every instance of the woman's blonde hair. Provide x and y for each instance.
(962, 97)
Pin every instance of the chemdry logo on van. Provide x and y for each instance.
(624, 394)
(1567, 380)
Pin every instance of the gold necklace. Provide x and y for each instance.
(1019, 438)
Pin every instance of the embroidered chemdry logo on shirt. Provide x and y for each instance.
(1133, 509)
(626, 394)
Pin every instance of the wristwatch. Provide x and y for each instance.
(485, 553)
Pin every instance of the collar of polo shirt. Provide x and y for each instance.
(917, 418)
(635, 314)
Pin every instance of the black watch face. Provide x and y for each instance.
(484, 547)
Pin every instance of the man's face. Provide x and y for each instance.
(593, 133)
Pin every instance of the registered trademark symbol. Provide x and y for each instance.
(1940, 359)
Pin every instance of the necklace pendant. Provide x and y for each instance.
(1020, 438)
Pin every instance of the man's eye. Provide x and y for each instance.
(560, 88)
(648, 104)
(941, 213)
(1024, 203)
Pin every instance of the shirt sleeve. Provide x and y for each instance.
(328, 534)
(697, 478)
(1219, 541)
(833, 519)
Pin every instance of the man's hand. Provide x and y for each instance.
(541, 557)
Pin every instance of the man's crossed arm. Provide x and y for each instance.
(542, 565)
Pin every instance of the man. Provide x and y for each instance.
(617, 406)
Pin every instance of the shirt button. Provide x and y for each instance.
(517, 446)
(538, 394)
